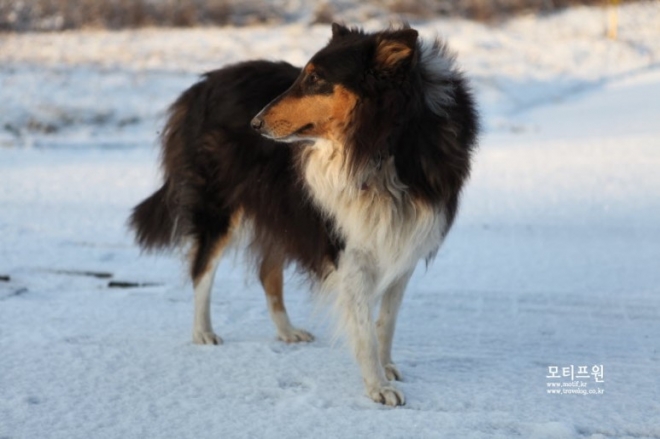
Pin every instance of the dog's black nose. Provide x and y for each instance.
(257, 123)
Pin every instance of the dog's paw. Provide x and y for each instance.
(294, 335)
(388, 395)
(392, 373)
(206, 337)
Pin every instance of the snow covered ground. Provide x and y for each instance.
(554, 259)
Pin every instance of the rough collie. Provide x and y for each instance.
(350, 168)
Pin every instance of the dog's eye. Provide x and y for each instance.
(313, 78)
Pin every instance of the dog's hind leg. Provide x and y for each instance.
(203, 283)
(271, 277)
(212, 235)
(386, 324)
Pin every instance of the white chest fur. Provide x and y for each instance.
(374, 213)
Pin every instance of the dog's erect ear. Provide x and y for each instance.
(395, 47)
(339, 31)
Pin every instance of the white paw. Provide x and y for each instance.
(388, 395)
(392, 373)
(294, 335)
(206, 337)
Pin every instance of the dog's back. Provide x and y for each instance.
(218, 172)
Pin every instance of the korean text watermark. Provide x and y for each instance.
(575, 380)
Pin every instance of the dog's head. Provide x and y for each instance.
(321, 102)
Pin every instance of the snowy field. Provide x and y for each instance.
(554, 259)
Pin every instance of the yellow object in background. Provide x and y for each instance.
(613, 22)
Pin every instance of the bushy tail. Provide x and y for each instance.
(154, 221)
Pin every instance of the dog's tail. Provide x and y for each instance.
(163, 220)
(154, 221)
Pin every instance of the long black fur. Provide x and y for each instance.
(215, 165)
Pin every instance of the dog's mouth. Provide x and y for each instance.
(304, 129)
(295, 136)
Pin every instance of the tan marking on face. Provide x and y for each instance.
(328, 115)
(309, 68)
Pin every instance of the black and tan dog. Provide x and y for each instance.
(350, 168)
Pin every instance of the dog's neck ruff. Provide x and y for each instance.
(373, 213)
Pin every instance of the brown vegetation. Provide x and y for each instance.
(55, 15)
(484, 10)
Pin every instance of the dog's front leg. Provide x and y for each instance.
(356, 300)
(389, 308)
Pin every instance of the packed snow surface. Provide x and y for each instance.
(554, 260)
